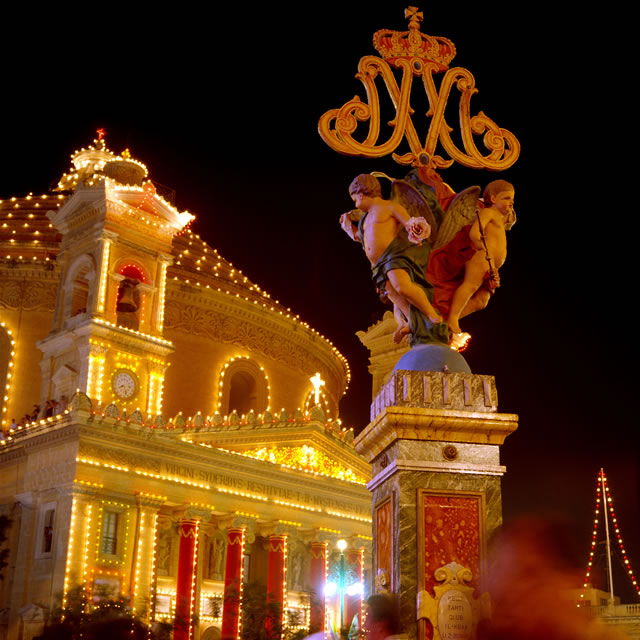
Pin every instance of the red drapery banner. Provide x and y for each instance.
(276, 585)
(318, 582)
(233, 584)
(185, 582)
(353, 604)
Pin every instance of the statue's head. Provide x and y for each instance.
(493, 189)
(367, 185)
(499, 194)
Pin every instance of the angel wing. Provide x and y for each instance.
(417, 198)
(461, 212)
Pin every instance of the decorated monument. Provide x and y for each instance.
(435, 254)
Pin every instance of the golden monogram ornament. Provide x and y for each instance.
(417, 56)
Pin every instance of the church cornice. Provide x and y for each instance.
(238, 321)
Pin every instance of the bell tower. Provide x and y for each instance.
(107, 334)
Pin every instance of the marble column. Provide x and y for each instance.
(185, 581)
(276, 584)
(187, 603)
(433, 442)
(233, 584)
(318, 582)
(352, 603)
(142, 588)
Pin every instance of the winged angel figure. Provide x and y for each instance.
(431, 264)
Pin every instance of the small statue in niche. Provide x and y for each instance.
(216, 555)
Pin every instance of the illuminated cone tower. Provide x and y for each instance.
(604, 511)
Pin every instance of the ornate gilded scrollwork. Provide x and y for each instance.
(418, 55)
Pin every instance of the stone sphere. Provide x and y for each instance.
(432, 357)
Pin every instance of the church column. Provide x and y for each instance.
(142, 574)
(233, 584)
(95, 371)
(318, 582)
(100, 303)
(353, 603)
(276, 584)
(156, 387)
(157, 321)
(186, 602)
(84, 514)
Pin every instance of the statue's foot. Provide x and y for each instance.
(459, 341)
(401, 333)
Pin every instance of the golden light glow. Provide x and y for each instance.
(317, 383)
(221, 381)
(305, 458)
(7, 386)
(136, 577)
(161, 294)
(104, 270)
(67, 570)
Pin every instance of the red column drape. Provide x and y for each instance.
(353, 604)
(276, 585)
(233, 584)
(185, 583)
(318, 582)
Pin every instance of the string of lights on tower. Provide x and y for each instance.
(604, 501)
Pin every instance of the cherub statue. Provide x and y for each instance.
(394, 243)
(451, 270)
(470, 249)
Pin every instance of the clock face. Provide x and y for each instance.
(124, 384)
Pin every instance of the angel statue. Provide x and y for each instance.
(397, 248)
(449, 269)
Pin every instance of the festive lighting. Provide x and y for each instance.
(307, 459)
(221, 380)
(317, 383)
(70, 549)
(347, 515)
(134, 332)
(139, 560)
(95, 376)
(7, 386)
(161, 294)
(104, 270)
(602, 487)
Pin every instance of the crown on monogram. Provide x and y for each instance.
(413, 43)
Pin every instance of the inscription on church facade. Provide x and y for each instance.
(261, 489)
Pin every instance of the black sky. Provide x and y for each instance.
(222, 106)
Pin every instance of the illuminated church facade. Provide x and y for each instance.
(158, 463)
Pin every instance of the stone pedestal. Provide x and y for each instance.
(433, 441)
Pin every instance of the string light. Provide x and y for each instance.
(10, 363)
(223, 371)
(605, 501)
(306, 459)
(67, 570)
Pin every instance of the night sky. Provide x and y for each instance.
(223, 108)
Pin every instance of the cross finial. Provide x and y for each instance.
(317, 382)
(415, 17)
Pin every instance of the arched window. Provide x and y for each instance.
(129, 300)
(80, 292)
(78, 287)
(244, 387)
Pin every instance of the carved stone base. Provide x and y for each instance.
(434, 446)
